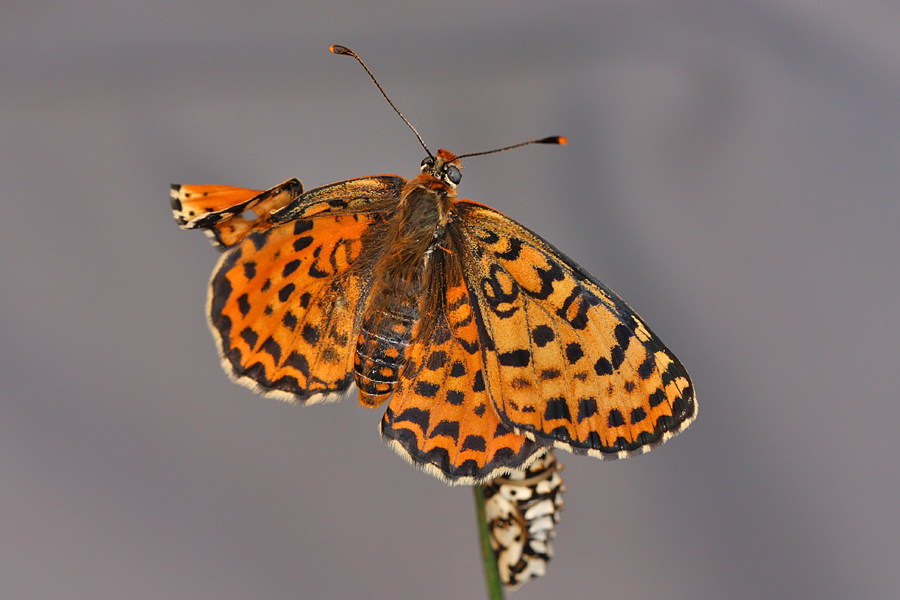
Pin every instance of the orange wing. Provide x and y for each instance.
(567, 361)
(286, 299)
(219, 209)
(441, 416)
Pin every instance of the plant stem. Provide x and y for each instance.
(488, 558)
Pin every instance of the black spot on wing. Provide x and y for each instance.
(549, 374)
(587, 408)
(617, 356)
(582, 300)
(603, 367)
(290, 267)
(250, 336)
(425, 389)
(623, 335)
(474, 442)
(615, 418)
(470, 348)
(680, 408)
(638, 415)
(560, 433)
(488, 237)
(446, 428)
(496, 297)
(621, 444)
(416, 416)
(455, 397)
(666, 423)
(644, 438)
(243, 304)
(515, 358)
(288, 383)
(557, 408)
(314, 271)
(458, 369)
(310, 334)
(574, 352)
(302, 243)
(542, 335)
(273, 349)
(221, 286)
(285, 292)
(478, 384)
(298, 361)
(645, 370)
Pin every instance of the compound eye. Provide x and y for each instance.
(427, 163)
(453, 174)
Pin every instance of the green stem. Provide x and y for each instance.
(488, 558)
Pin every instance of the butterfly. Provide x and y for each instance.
(489, 345)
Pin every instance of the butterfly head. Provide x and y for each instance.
(445, 167)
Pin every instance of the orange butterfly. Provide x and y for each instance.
(490, 344)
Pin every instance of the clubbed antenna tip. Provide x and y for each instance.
(338, 49)
(555, 139)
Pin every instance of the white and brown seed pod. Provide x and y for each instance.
(522, 510)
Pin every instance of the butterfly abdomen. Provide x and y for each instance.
(381, 352)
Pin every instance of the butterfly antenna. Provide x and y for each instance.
(348, 52)
(556, 139)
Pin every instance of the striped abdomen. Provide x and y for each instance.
(381, 352)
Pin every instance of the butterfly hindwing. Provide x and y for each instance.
(567, 361)
(441, 415)
(283, 305)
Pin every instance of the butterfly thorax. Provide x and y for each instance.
(410, 236)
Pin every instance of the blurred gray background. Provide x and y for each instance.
(732, 172)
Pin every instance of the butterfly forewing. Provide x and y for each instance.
(219, 209)
(375, 194)
(567, 361)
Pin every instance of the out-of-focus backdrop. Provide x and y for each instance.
(733, 172)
